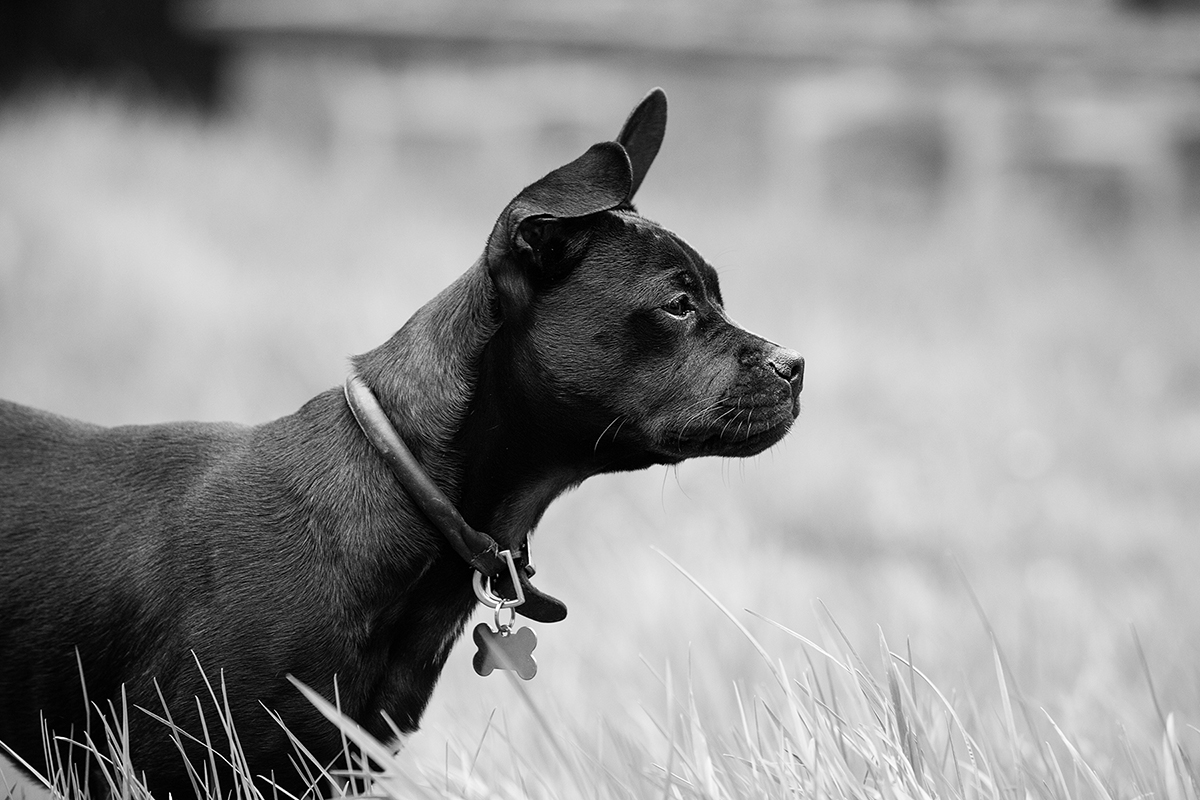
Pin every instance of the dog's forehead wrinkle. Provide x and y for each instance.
(644, 226)
(698, 269)
(679, 263)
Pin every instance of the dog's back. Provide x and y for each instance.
(86, 517)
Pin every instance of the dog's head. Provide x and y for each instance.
(585, 339)
(617, 325)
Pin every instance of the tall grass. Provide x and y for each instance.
(831, 722)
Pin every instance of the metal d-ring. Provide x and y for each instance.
(483, 587)
(505, 627)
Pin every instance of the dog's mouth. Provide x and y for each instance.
(735, 427)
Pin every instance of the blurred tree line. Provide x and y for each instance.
(138, 45)
(146, 45)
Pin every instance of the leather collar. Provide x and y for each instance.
(478, 549)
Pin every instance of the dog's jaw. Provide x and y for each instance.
(735, 437)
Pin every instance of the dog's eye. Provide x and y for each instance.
(680, 307)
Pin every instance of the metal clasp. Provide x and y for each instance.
(483, 586)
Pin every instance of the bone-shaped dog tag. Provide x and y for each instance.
(505, 649)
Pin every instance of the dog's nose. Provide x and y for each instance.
(789, 365)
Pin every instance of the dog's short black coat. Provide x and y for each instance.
(586, 339)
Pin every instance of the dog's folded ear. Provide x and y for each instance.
(603, 178)
(642, 134)
(599, 180)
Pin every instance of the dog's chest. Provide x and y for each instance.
(400, 662)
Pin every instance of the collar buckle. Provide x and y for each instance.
(483, 586)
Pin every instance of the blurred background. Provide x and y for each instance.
(978, 220)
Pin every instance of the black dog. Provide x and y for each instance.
(586, 339)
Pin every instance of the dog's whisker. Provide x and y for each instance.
(688, 422)
(733, 419)
(596, 446)
(729, 412)
(713, 406)
(706, 401)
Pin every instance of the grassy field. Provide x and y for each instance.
(1005, 407)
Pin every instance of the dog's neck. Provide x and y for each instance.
(441, 384)
(511, 476)
(424, 375)
(477, 549)
(526, 446)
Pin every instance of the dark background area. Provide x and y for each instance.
(137, 45)
(165, 47)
